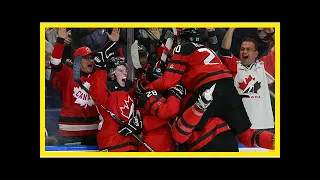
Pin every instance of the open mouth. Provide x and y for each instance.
(124, 79)
(245, 57)
(90, 65)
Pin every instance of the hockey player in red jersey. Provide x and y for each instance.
(208, 139)
(114, 94)
(216, 135)
(199, 68)
(158, 112)
(78, 121)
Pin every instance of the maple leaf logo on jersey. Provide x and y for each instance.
(125, 108)
(82, 97)
(250, 85)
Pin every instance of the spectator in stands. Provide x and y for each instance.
(149, 38)
(251, 78)
(139, 56)
(49, 49)
(53, 89)
(238, 36)
(212, 37)
(78, 121)
(51, 35)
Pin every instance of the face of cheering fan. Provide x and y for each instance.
(87, 63)
(248, 53)
(121, 74)
(143, 59)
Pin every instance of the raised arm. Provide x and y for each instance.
(62, 72)
(173, 73)
(226, 55)
(269, 59)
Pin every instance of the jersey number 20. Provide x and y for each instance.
(210, 57)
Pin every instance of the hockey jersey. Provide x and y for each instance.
(193, 64)
(108, 94)
(158, 114)
(78, 116)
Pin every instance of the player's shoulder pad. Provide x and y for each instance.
(187, 48)
(109, 45)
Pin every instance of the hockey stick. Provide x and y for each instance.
(170, 38)
(76, 77)
(135, 55)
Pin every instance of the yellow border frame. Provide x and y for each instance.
(43, 153)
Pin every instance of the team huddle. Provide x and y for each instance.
(187, 101)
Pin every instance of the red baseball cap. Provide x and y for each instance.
(82, 51)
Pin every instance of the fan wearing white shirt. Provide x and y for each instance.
(252, 77)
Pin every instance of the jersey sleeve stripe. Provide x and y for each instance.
(178, 62)
(181, 131)
(186, 124)
(207, 135)
(174, 71)
(152, 103)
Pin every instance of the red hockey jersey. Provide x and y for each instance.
(183, 128)
(158, 114)
(118, 101)
(78, 116)
(193, 64)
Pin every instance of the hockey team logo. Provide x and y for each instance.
(82, 97)
(128, 108)
(250, 86)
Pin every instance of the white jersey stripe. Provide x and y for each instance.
(55, 61)
(66, 127)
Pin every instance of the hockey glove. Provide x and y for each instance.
(134, 125)
(99, 63)
(144, 98)
(139, 87)
(178, 91)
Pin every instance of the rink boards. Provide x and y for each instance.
(242, 148)
(52, 127)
